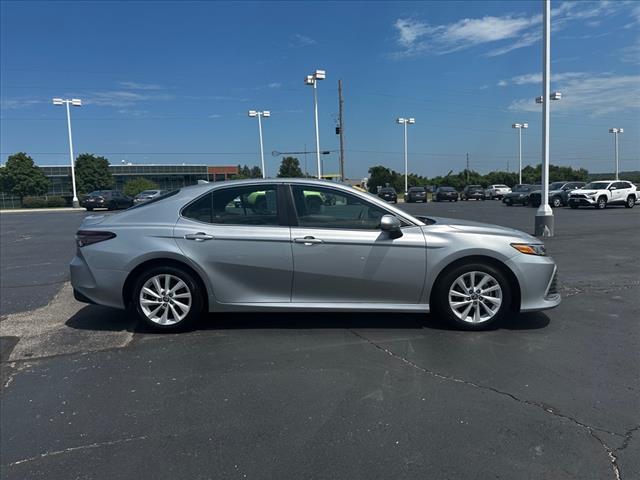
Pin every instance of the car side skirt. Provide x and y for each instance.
(324, 307)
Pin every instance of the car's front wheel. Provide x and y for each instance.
(473, 296)
(602, 203)
(556, 202)
(167, 298)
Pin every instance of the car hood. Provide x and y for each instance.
(478, 228)
(585, 192)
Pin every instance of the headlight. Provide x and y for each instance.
(531, 248)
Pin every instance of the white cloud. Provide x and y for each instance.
(18, 103)
(215, 115)
(140, 86)
(631, 54)
(593, 95)
(274, 85)
(505, 33)
(532, 78)
(121, 98)
(298, 40)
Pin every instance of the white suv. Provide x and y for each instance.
(604, 192)
(498, 191)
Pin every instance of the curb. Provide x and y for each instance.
(36, 210)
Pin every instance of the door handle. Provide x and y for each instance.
(309, 240)
(198, 237)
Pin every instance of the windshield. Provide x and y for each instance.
(474, 187)
(97, 193)
(148, 192)
(155, 199)
(597, 186)
(521, 188)
(556, 185)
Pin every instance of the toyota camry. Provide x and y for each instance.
(297, 244)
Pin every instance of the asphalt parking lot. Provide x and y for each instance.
(88, 393)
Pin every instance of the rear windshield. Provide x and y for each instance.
(148, 192)
(474, 187)
(447, 189)
(416, 189)
(387, 190)
(155, 199)
(97, 193)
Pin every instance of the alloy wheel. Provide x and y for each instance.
(475, 297)
(165, 299)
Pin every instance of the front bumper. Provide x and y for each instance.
(585, 202)
(537, 276)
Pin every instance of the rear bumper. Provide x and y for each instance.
(102, 287)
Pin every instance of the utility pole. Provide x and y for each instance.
(467, 168)
(341, 128)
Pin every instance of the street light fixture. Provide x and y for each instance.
(405, 122)
(76, 102)
(519, 127)
(544, 222)
(313, 81)
(616, 132)
(265, 114)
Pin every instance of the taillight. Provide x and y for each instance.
(89, 237)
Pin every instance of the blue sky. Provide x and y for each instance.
(171, 82)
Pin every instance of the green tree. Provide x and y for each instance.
(380, 176)
(136, 185)
(92, 173)
(290, 168)
(21, 177)
(243, 172)
(255, 172)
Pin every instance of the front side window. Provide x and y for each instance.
(319, 207)
(245, 205)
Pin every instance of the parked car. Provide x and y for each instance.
(558, 194)
(445, 194)
(388, 194)
(109, 199)
(519, 195)
(498, 191)
(602, 193)
(475, 192)
(147, 195)
(192, 250)
(416, 194)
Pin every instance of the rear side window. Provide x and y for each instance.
(246, 205)
(155, 199)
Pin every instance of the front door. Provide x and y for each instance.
(341, 254)
(238, 237)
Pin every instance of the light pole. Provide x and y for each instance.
(313, 81)
(519, 127)
(76, 102)
(265, 114)
(616, 132)
(405, 122)
(544, 216)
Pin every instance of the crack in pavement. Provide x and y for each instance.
(570, 291)
(73, 449)
(546, 408)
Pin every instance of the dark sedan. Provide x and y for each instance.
(558, 194)
(475, 192)
(443, 194)
(109, 199)
(519, 195)
(388, 194)
(416, 194)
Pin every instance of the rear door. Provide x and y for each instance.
(243, 246)
(340, 254)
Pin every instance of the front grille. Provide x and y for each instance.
(553, 286)
(578, 195)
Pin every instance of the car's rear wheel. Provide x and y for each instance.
(573, 205)
(602, 203)
(473, 296)
(167, 298)
(631, 201)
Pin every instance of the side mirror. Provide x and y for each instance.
(611, 189)
(391, 224)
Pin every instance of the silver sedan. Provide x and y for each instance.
(294, 244)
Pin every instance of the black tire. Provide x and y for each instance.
(631, 201)
(601, 204)
(89, 209)
(508, 203)
(556, 202)
(197, 298)
(573, 206)
(440, 296)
